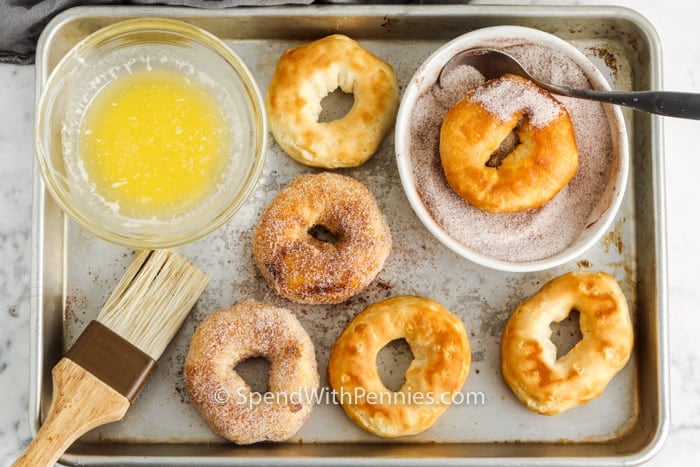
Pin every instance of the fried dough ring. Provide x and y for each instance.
(228, 337)
(303, 269)
(530, 367)
(440, 366)
(304, 76)
(543, 162)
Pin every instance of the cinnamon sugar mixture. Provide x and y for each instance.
(505, 97)
(524, 236)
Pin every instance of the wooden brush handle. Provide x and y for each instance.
(80, 403)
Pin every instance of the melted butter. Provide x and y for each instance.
(154, 143)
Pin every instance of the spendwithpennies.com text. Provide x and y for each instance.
(326, 395)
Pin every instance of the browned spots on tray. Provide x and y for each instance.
(607, 57)
(614, 237)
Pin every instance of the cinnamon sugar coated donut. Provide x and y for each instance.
(548, 385)
(226, 338)
(304, 269)
(304, 76)
(542, 162)
(440, 366)
(538, 234)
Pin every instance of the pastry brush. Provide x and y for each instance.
(103, 372)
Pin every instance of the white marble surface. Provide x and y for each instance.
(676, 23)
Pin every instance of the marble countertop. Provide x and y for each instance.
(676, 23)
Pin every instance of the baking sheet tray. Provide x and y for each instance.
(75, 272)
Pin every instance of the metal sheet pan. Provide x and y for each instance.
(74, 272)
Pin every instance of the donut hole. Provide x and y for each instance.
(506, 147)
(335, 105)
(255, 371)
(323, 234)
(392, 362)
(566, 333)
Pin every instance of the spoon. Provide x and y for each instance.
(496, 63)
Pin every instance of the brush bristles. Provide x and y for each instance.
(152, 299)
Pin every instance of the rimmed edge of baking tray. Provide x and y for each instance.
(43, 293)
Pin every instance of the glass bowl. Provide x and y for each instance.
(411, 173)
(146, 45)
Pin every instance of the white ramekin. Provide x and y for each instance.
(426, 76)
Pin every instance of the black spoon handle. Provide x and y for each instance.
(668, 103)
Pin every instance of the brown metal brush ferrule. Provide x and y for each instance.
(112, 359)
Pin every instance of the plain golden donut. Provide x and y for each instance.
(530, 367)
(540, 165)
(304, 269)
(440, 366)
(304, 76)
(228, 337)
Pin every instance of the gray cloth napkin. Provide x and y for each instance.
(21, 21)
